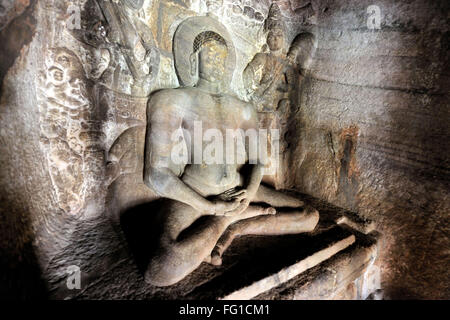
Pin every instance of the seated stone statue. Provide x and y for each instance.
(209, 204)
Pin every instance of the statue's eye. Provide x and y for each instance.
(57, 74)
(63, 59)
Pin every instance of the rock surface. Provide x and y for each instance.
(369, 134)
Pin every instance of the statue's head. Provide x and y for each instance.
(276, 39)
(209, 56)
(275, 28)
(214, 5)
(64, 66)
(302, 50)
(66, 75)
(204, 50)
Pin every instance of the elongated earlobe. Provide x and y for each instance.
(193, 60)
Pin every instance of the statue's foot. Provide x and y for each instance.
(216, 255)
(224, 242)
(270, 210)
(216, 259)
(208, 259)
(254, 211)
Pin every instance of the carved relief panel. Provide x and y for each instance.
(90, 96)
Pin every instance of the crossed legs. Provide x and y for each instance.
(189, 238)
(291, 217)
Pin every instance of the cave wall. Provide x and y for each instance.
(372, 133)
(369, 133)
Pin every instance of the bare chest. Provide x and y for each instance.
(220, 113)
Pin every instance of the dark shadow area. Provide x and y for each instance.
(20, 273)
(141, 226)
(17, 34)
(21, 277)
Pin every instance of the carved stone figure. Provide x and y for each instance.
(117, 36)
(121, 61)
(303, 10)
(92, 104)
(270, 76)
(129, 36)
(71, 131)
(214, 7)
(264, 77)
(272, 81)
(208, 205)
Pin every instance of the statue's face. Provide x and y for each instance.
(214, 5)
(275, 39)
(103, 58)
(212, 58)
(66, 75)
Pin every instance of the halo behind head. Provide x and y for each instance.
(190, 35)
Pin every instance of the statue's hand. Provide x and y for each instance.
(233, 194)
(243, 205)
(231, 202)
(222, 208)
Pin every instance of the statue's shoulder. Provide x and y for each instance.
(169, 98)
(260, 57)
(170, 94)
(245, 108)
(234, 99)
(239, 102)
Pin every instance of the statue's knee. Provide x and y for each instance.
(156, 273)
(161, 270)
(307, 219)
(313, 217)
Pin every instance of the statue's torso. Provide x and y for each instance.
(204, 111)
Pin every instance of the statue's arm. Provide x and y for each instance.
(166, 184)
(252, 74)
(256, 175)
(248, 194)
(257, 167)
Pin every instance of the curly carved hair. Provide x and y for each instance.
(207, 36)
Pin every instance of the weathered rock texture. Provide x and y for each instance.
(370, 133)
